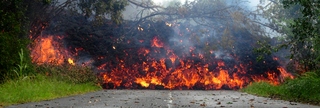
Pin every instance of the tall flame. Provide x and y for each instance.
(48, 50)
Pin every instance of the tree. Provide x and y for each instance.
(296, 23)
(40, 14)
(306, 29)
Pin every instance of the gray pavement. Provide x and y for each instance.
(164, 99)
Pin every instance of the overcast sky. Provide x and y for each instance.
(131, 10)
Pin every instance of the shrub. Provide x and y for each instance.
(13, 38)
(69, 73)
(305, 88)
(262, 89)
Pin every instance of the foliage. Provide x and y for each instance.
(22, 69)
(12, 38)
(297, 22)
(68, 73)
(40, 88)
(306, 33)
(262, 89)
(302, 89)
(98, 9)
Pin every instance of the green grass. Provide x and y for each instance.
(305, 89)
(39, 88)
(262, 89)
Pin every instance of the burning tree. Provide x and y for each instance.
(196, 45)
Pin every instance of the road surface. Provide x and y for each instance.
(164, 99)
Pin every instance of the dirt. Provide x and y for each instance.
(164, 99)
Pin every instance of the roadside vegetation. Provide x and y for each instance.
(303, 89)
(40, 87)
(48, 82)
(298, 23)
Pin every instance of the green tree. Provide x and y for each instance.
(99, 9)
(305, 41)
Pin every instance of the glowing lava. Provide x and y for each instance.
(159, 67)
(181, 72)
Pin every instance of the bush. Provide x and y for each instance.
(262, 89)
(13, 38)
(14, 53)
(69, 73)
(304, 88)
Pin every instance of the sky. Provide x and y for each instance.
(131, 10)
(251, 2)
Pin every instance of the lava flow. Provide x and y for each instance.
(176, 59)
(181, 72)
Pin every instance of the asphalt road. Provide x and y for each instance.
(164, 99)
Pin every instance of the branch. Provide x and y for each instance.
(143, 5)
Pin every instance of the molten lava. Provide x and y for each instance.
(157, 66)
(161, 68)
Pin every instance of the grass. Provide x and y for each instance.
(48, 82)
(305, 89)
(39, 88)
(262, 89)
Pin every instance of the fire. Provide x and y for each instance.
(156, 42)
(49, 50)
(158, 66)
(171, 71)
(284, 73)
(71, 61)
(45, 51)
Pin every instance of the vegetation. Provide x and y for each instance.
(302, 37)
(50, 82)
(68, 73)
(306, 31)
(303, 89)
(13, 39)
(40, 87)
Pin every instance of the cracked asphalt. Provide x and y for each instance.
(164, 99)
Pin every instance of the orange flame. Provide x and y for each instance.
(49, 50)
(156, 42)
